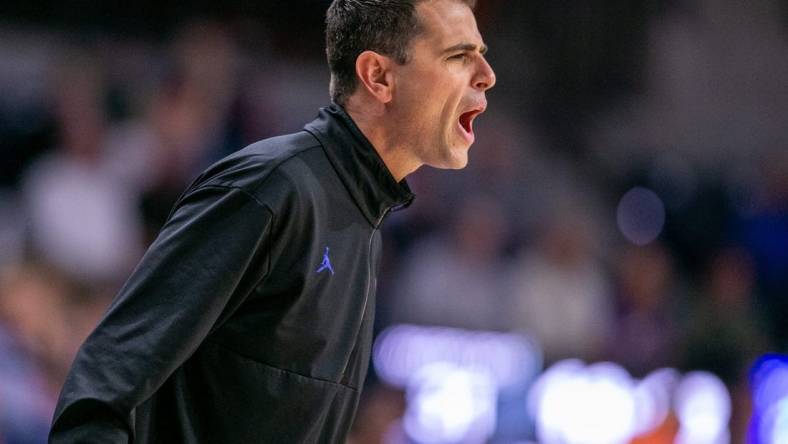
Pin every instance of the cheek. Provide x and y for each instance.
(413, 99)
(428, 98)
(426, 84)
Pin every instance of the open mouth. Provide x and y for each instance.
(466, 121)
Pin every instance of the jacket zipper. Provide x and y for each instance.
(368, 287)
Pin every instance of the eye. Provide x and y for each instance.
(462, 57)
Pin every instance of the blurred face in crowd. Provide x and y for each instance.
(441, 89)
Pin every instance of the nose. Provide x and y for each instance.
(485, 77)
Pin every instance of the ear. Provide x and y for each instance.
(374, 74)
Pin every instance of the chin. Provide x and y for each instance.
(459, 163)
(448, 157)
(459, 157)
(455, 161)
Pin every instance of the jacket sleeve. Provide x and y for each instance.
(209, 256)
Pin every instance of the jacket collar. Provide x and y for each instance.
(358, 164)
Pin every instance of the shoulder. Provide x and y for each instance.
(270, 170)
(247, 167)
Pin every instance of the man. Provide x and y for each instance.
(249, 319)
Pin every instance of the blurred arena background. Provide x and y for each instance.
(610, 268)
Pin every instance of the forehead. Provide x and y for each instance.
(447, 22)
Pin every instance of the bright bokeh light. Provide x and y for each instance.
(640, 215)
(775, 423)
(550, 395)
(572, 403)
(653, 399)
(453, 379)
(449, 404)
(401, 351)
(703, 407)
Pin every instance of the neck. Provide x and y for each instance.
(373, 124)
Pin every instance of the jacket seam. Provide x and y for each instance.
(236, 187)
(265, 364)
(281, 162)
(265, 207)
(265, 180)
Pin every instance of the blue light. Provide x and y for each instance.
(769, 382)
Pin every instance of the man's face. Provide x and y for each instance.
(441, 89)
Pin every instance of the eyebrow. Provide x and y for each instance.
(467, 47)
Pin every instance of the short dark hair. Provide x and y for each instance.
(354, 26)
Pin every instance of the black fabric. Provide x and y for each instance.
(233, 329)
(372, 186)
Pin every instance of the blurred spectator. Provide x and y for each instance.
(82, 218)
(725, 333)
(185, 128)
(646, 330)
(502, 163)
(763, 232)
(562, 295)
(456, 277)
(34, 351)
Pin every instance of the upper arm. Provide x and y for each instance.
(208, 257)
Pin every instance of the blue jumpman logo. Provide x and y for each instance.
(326, 264)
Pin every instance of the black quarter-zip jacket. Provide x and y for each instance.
(249, 319)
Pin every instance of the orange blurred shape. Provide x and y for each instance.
(665, 433)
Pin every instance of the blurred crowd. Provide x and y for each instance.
(100, 133)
